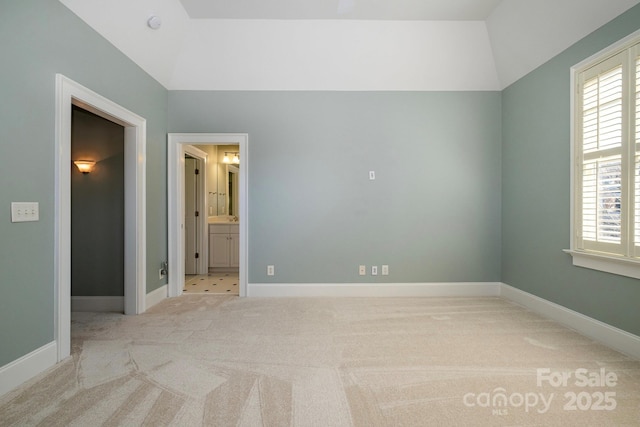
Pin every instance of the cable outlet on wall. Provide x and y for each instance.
(385, 270)
(271, 270)
(374, 270)
(362, 270)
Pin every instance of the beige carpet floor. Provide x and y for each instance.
(224, 361)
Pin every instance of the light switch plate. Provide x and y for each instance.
(25, 211)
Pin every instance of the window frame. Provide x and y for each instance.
(628, 263)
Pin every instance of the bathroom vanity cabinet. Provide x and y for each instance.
(224, 245)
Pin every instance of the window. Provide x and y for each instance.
(606, 172)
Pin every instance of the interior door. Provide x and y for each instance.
(191, 232)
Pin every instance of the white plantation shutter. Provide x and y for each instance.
(602, 111)
(601, 200)
(601, 130)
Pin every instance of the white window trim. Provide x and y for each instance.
(623, 266)
(605, 262)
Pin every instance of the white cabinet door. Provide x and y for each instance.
(224, 245)
(218, 250)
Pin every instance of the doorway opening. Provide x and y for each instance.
(69, 93)
(220, 233)
(215, 204)
(97, 213)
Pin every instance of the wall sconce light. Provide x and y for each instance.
(84, 166)
(235, 159)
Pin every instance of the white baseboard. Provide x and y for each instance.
(154, 297)
(98, 304)
(27, 367)
(480, 289)
(611, 336)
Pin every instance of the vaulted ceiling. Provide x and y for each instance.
(416, 45)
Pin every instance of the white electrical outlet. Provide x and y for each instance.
(372, 175)
(271, 270)
(25, 211)
(374, 270)
(385, 270)
(160, 274)
(362, 270)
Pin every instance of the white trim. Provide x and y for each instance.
(611, 336)
(155, 296)
(28, 366)
(135, 226)
(616, 265)
(175, 189)
(573, 159)
(472, 289)
(69, 92)
(105, 304)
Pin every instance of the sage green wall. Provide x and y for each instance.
(97, 207)
(536, 193)
(39, 38)
(432, 214)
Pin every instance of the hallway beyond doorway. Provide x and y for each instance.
(213, 283)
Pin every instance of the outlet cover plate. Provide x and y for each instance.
(25, 211)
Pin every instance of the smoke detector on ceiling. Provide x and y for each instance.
(154, 22)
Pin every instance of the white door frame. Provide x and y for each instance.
(202, 266)
(70, 93)
(175, 199)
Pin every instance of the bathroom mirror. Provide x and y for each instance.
(222, 180)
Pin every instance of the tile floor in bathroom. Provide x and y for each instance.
(212, 283)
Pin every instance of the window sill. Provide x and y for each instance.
(607, 263)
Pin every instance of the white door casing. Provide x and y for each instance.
(70, 93)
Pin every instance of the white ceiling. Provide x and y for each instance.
(418, 45)
(412, 10)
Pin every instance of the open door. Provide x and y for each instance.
(192, 233)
